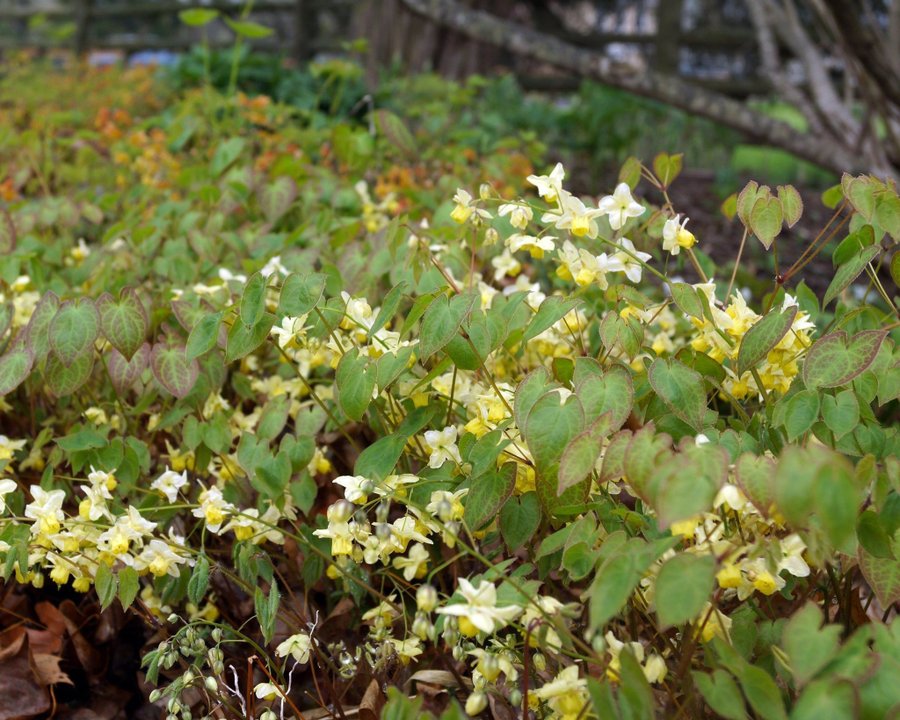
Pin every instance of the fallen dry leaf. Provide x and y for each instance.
(372, 702)
(21, 696)
(46, 669)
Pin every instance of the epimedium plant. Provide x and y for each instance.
(511, 452)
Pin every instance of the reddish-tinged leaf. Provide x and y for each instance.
(173, 370)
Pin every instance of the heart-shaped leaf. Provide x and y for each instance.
(37, 332)
(681, 389)
(551, 425)
(125, 373)
(613, 392)
(173, 370)
(791, 204)
(520, 519)
(124, 321)
(300, 293)
(487, 494)
(766, 218)
(683, 587)
(74, 329)
(833, 361)
(276, 198)
(15, 366)
(882, 574)
(355, 382)
(63, 380)
(580, 456)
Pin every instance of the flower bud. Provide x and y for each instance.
(476, 703)
(211, 683)
(426, 598)
(485, 191)
(491, 236)
(341, 511)
(515, 697)
(489, 667)
(539, 662)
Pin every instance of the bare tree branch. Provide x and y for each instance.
(667, 89)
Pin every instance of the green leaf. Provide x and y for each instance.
(873, 536)
(826, 698)
(197, 17)
(124, 321)
(581, 454)
(809, 645)
(487, 494)
(129, 584)
(611, 392)
(721, 693)
(243, 340)
(125, 373)
(199, 582)
(253, 300)
(105, 584)
(62, 380)
(441, 322)
(763, 336)
(300, 294)
(273, 475)
(37, 332)
(747, 198)
(762, 693)
(849, 271)
(173, 370)
(203, 335)
(550, 427)
(683, 586)
(667, 167)
(225, 155)
(681, 389)
(389, 307)
(801, 412)
(755, 474)
(852, 244)
(248, 29)
(395, 131)
(266, 607)
(882, 574)
(276, 198)
(87, 439)
(612, 586)
(833, 361)
(528, 391)
(15, 366)
(687, 486)
(687, 300)
(841, 413)
(603, 701)
(791, 204)
(355, 383)
(635, 695)
(895, 268)
(519, 520)
(859, 191)
(551, 311)
(379, 459)
(74, 329)
(273, 418)
(766, 218)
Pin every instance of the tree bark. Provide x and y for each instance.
(667, 89)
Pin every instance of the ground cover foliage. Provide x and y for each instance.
(322, 414)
